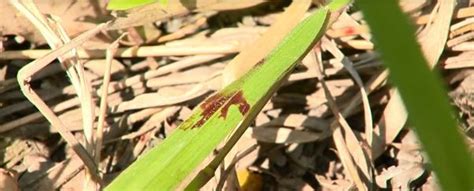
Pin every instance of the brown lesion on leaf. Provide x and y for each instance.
(239, 100)
(221, 102)
(210, 106)
(260, 62)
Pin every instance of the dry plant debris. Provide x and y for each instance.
(121, 98)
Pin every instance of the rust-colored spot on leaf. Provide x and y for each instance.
(239, 100)
(210, 106)
(260, 62)
(223, 102)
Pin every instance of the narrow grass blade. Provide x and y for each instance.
(128, 4)
(165, 166)
(422, 92)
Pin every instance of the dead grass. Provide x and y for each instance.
(336, 123)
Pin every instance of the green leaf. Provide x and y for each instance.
(338, 4)
(168, 164)
(426, 101)
(128, 4)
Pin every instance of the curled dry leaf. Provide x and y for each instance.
(434, 37)
(410, 165)
(399, 177)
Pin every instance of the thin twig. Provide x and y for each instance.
(103, 101)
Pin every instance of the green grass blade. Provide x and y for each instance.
(422, 92)
(128, 4)
(166, 166)
(338, 4)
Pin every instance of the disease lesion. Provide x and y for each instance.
(238, 100)
(210, 106)
(219, 102)
(261, 62)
